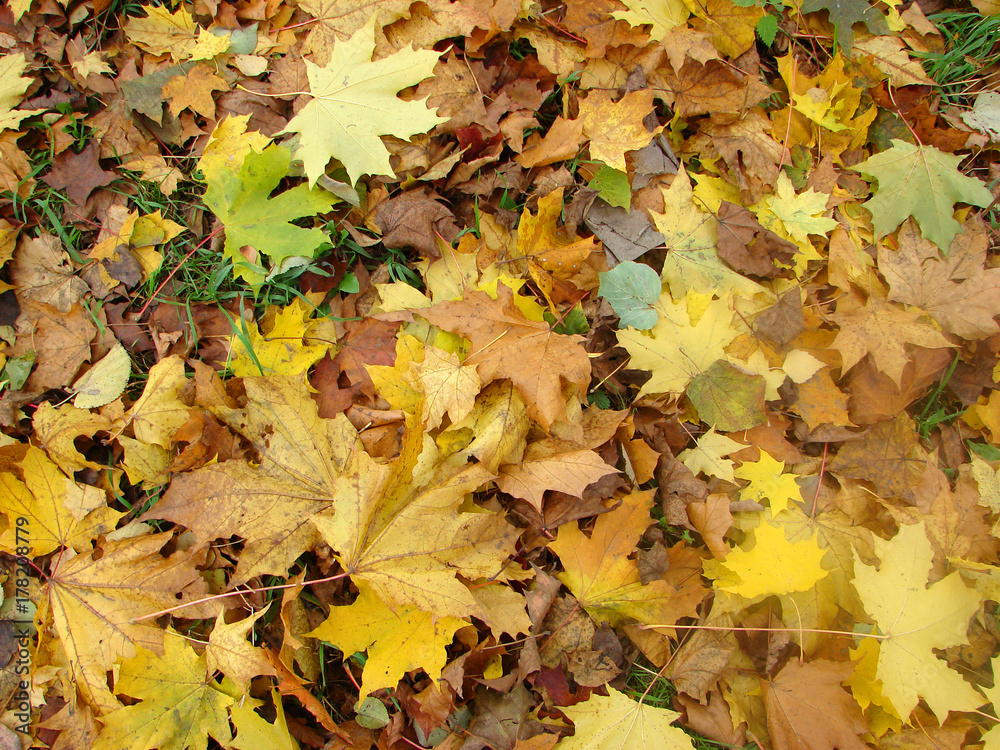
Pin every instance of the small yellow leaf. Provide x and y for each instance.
(768, 483)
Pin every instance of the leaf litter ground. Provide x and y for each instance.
(473, 375)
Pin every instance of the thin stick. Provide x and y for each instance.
(176, 269)
(734, 629)
(237, 593)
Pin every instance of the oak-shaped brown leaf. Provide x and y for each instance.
(808, 709)
(957, 290)
(269, 502)
(599, 573)
(60, 343)
(883, 330)
(889, 456)
(95, 602)
(41, 271)
(746, 246)
(505, 344)
(415, 219)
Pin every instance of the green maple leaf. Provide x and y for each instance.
(922, 182)
(845, 13)
(354, 102)
(255, 221)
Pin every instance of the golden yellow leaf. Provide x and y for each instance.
(915, 619)
(280, 350)
(180, 708)
(767, 563)
(616, 722)
(231, 653)
(398, 640)
(49, 510)
(768, 483)
(268, 504)
(96, 606)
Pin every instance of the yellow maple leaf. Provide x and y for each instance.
(768, 564)
(95, 606)
(683, 223)
(231, 653)
(253, 731)
(615, 127)
(661, 15)
(179, 707)
(708, 455)
(398, 640)
(161, 31)
(768, 483)
(57, 510)
(353, 102)
(12, 87)
(915, 619)
(616, 721)
(795, 216)
(677, 348)
(398, 528)
(160, 410)
(228, 145)
(300, 457)
(279, 351)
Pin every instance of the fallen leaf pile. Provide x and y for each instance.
(512, 375)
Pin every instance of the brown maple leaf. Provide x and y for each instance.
(883, 331)
(79, 174)
(746, 246)
(889, 456)
(808, 708)
(956, 290)
(505, 344)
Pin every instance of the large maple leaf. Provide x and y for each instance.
(398, 528)
(922, 182)
(398, 639)
(354, 102)
(808, 708)
(269, 504)
(257, 224)
(505, 344)
(96, 603)
(676, 350)
(883, 330)
(916, 619)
